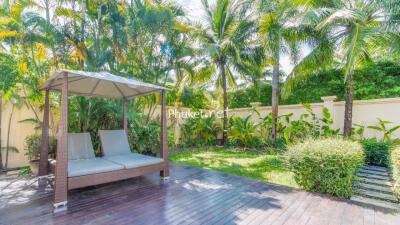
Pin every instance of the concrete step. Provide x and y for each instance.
(373, 172)
(374, 187)
(378, 177)
(375, 202)
(375, 181)
(376, 195)
(376, 168)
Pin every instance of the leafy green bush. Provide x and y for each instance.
(395, 166)
(243, 132)
(197, 131)
(144, 135)
(33, 144)
(376, 152)
(326, 165)
(25, 171)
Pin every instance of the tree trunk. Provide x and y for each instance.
(44, 148)
(275, 100)
(348, 110)
(8, 137)
(1, 114)
(225, 98)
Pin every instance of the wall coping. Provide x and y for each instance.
(372, 101)
(321, 104)
(280, 106)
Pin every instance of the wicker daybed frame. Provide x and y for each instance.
(97, 84)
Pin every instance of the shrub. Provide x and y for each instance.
(198, 131)
(395, 166)
(326, 165)
(25, 171)
(33, 144)
(376, 152)
(144, 136)
(242, 132)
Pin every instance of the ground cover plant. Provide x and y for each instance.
(251, 164)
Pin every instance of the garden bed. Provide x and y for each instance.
(251, 164)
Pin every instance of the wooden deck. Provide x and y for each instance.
(190, 196)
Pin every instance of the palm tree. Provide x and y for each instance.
(225, 41)
(281, 34)
(352, 30)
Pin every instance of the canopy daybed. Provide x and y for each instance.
(102, 85)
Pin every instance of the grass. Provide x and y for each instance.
(256, 165)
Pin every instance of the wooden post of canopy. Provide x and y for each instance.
(44, 151)
(163, 136)
(124, 116)
(61, 179)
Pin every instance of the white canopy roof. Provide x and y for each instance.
(100, 84)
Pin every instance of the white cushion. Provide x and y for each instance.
(133, 160)
(114, 142)
(82, 167)
(80, 146)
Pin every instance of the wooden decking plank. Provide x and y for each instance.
(183, 203)
(228, 213)
(337, 212)
(368, 216)
(184, 206)
(283, 217)
(307, 214)
(301, 209)
(197, 210)
(190, 196)
(317, 215)
(262, 216)
(245, 212)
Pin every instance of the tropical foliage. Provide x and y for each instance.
(236, 44)
(350, 32)
(377, 79)
(200, 131)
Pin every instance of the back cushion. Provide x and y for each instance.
(80, 146)
(114, 142)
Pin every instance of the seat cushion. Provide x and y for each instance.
(133, 160)
(80, 146)
(114, 142)
(82, 167)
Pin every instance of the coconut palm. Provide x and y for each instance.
(225, 41)
(352, 30)
(281, 34)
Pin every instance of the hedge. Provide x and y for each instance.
(326, 165)
(395, 166)
(376, 152)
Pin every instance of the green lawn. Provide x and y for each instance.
(261, 166)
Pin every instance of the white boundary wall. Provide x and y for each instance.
(365, 112)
